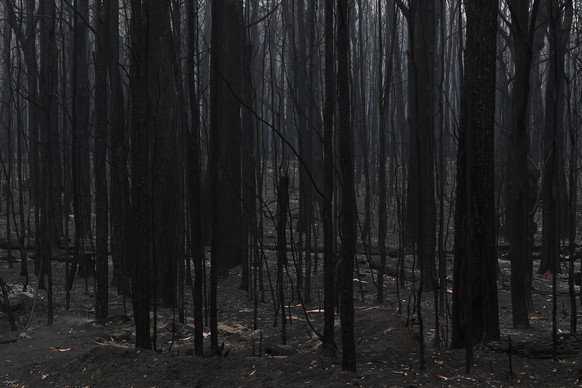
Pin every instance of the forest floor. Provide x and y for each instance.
(79, 351)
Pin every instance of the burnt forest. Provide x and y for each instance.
(274, 193)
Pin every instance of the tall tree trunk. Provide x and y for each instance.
(81, 130)
(421, 208)
(382, 220)
(27, 39)
(522, 29)
(553, 171)
(99, 165)
(195, 179)
(141, 131)
(227, 46)
(81, 133)
(225, 151)
(248, 140)
(560, 22)
(327, 202)
(348, 214)
(7, 119)
(475, 306)
(49, 144)
(167, 200)
(384, 102)
(119, 145)
(282, 206)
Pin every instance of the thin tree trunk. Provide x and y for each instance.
(141, 235)
(195, 180)
(282, 202)
(348, 214)
(99, 165)
(49, 150)
(120, 206)
(327, 202)
(522, 30)
(7, 121)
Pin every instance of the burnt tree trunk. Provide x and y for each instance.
(327, 202)
(225, 150)
(421, 208)
(49, 149)
(282, 206)
(141, 131)
(195, 181)
(475, 306)
(119, 146)
(100, 166)
(522, 28)
(348, 213)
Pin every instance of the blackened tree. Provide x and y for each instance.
(100, 166)
(475, 306)
(225, 145)
(194, 180)
(522, 32)
(348, 213)
(327, 202)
